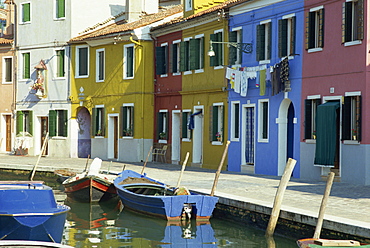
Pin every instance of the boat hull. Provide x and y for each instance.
(90, 189)
(167, 207)
(28, 211)
(310, 243)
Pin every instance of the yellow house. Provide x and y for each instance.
(112, 88)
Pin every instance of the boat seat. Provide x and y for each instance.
(95, 167)
(160, 152)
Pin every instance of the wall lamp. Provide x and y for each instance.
(245, 47)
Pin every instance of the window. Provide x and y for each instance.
(263, 120)
(185, 131)
(351, 129)
(353, 20)
(196, 53)
(60, 63)
(82, 61)
(127, 114)
(217, 122)
(235, 54)
(100, 65)
(287, 36)
(58, 120)
(310, 117)
(235, 115)
(315, 28)
(176, 57)
(161, 59)
(7, 70)
(162, 125)
(128, 61)
(60, 9)
(217, 60)
(185, 55)
(188, 5)
(98, 121)
(264, 32)
(26, 12)
(24, 122)
(26, 66)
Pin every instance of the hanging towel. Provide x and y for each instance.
(244, 83)
(257, 79)
(238, 77)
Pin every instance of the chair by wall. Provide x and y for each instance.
(160, 152)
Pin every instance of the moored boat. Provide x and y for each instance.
(329, 243)
(27, 243)
(28, 211)
(90, 186)
(146, 195)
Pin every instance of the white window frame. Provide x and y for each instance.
(21, 14)
(233, 121)
(220, 122)
(128, 120)
(166, 50)
(260, 121)
(78, 75)
(316, 48)
(100, 119)
(239, 30)
(223, 50)
(289, 34)
(98, 65)
(5, 71)
(164, 127)
(178, 73)
(188, 139)
(21, 62)
(201, 50)
(125, 62)
(267, 40)
(188, 72)
(55, 11)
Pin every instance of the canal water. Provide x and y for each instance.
(104, 225)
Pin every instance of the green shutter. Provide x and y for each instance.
(346, 118)
(269, 44)
(360, 20)
(283, 38)
(30, 122)
(184, 126)
(214, 122)
(183, 60)
(64, 123)
(52, 123)
(194, 54)
(292, 38)
(19, 126)
(160, 60)
(260, 49)
(359, 117)
(61, 9)
(174, 58)
(265, 120)
(103, 121)
(233, 50)
(60, 59)
(159, 123)
(219, 50)
(321, 27)
(26, 65)
(307, 119)
(26, 12)
(124, 120)
(132, 122)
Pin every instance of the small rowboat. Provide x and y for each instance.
(28, 211)
(329, 243)
(90, 186)
(155, 198)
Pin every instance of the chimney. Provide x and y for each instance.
(9, 27)
(136, 8)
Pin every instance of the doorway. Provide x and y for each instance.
(8, 131)
(198, 136)
(84, 140)
(175, 142)
(113, 136)
(44, 131)
(248, 140)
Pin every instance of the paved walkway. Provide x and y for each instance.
(348, 204)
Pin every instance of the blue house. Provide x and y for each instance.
(264, 87)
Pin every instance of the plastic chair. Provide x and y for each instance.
(160, 152)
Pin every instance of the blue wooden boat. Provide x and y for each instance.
(146, 195)
(28, 211)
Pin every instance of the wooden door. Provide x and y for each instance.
(8, 141)
(44, 130)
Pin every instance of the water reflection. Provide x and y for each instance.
(103, 225)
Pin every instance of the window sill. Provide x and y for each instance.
(351, 142)
(188, 72)
(264, 62)
(162, 141)
(60, 19)
(313, 50)
(82, 76)
(128, 137)
(99, 81)
(199, 71)
(128, 78)
(353, 43)
(186, 140)
(164, 75)
(218, 67)
(7, 82)
(263, 141)
(58, 138)
(234, 139)
(310, 141)
(176, 74)
(217, 143)
(99, 137)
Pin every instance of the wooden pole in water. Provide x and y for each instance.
(218, 172)
(279, 196)
(87, 161)
(182, 169)
(147, 157)
(324, 202)
(38, 159)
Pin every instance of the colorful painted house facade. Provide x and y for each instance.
(43, 106)
(198, 123)
(112, 84)
(7, 82)
(265, 86)
(334, 136)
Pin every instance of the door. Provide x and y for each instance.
(44, 131)
(198, 136)
(113, 136)
(249, 136)
(175, 142)
(8, 138)
(84, 140)
(290, 132)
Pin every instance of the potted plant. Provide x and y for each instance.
(218, 136)
(162, 135)
(127, 132)
(354, 134)
(38, 87)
